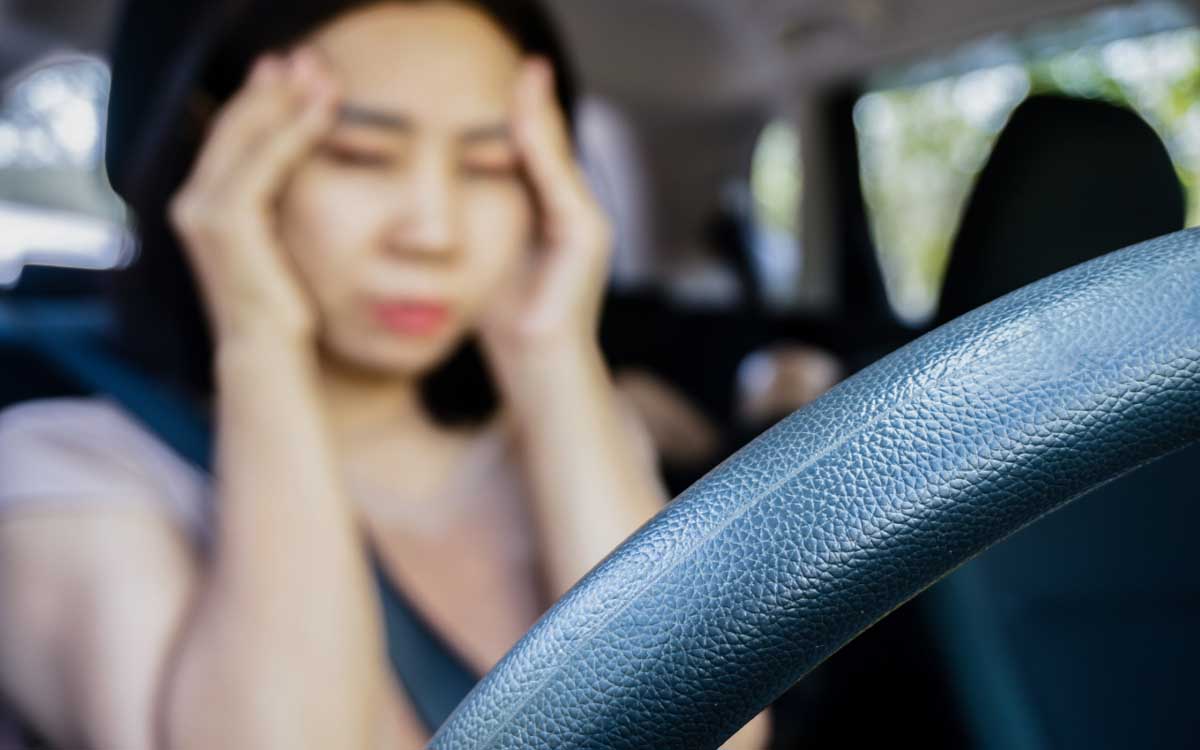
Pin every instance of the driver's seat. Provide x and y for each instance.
(1079, 632)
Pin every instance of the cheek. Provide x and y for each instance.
(498, 232)
(319, 218)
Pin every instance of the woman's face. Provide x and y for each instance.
(413, 211)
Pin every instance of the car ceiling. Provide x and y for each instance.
(719, 53)
(673, 53)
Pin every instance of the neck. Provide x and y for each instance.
(361, 402)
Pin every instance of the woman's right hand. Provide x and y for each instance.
(225, 212)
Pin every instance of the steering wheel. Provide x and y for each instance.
(847, 509)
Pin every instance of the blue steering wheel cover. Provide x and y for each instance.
(847, 509)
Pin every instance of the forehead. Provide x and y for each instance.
(434, 62)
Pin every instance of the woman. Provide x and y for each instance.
(397, 181)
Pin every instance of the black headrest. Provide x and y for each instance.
(1069, 180)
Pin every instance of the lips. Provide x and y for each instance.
(411, 317)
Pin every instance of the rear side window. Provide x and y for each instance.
(777, 188)
(56, 206)
(925, 133)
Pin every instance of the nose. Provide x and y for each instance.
(425, 217)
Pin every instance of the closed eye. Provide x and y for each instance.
(493, 169)
(356, 158)
(491, 160)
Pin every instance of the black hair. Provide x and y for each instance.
(170, 68)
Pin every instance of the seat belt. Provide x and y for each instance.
(435, 677)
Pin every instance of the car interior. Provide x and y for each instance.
(788, 177)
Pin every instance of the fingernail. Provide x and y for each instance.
(534, 85)
(304, 64)
(545, 73)
(321, 110)
(265, 69)
(322, 93)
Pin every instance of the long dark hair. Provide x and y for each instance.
(172, 66)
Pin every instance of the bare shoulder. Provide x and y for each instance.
(61, 454)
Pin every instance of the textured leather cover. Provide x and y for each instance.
(848, 508)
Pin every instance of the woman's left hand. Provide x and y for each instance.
(555, 300)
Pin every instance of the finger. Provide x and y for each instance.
(279, 153)
(266, 98)
(543, 137)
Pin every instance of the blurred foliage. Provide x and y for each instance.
(52, 137)
(776, 189)
(923, 146)
(776, 177)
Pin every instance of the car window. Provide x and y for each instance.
(925, 131)
(56, 207)
(777, 188)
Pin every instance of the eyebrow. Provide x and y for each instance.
(352, 114)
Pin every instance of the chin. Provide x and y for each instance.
(398, 357)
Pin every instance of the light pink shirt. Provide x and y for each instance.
(471, 562)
